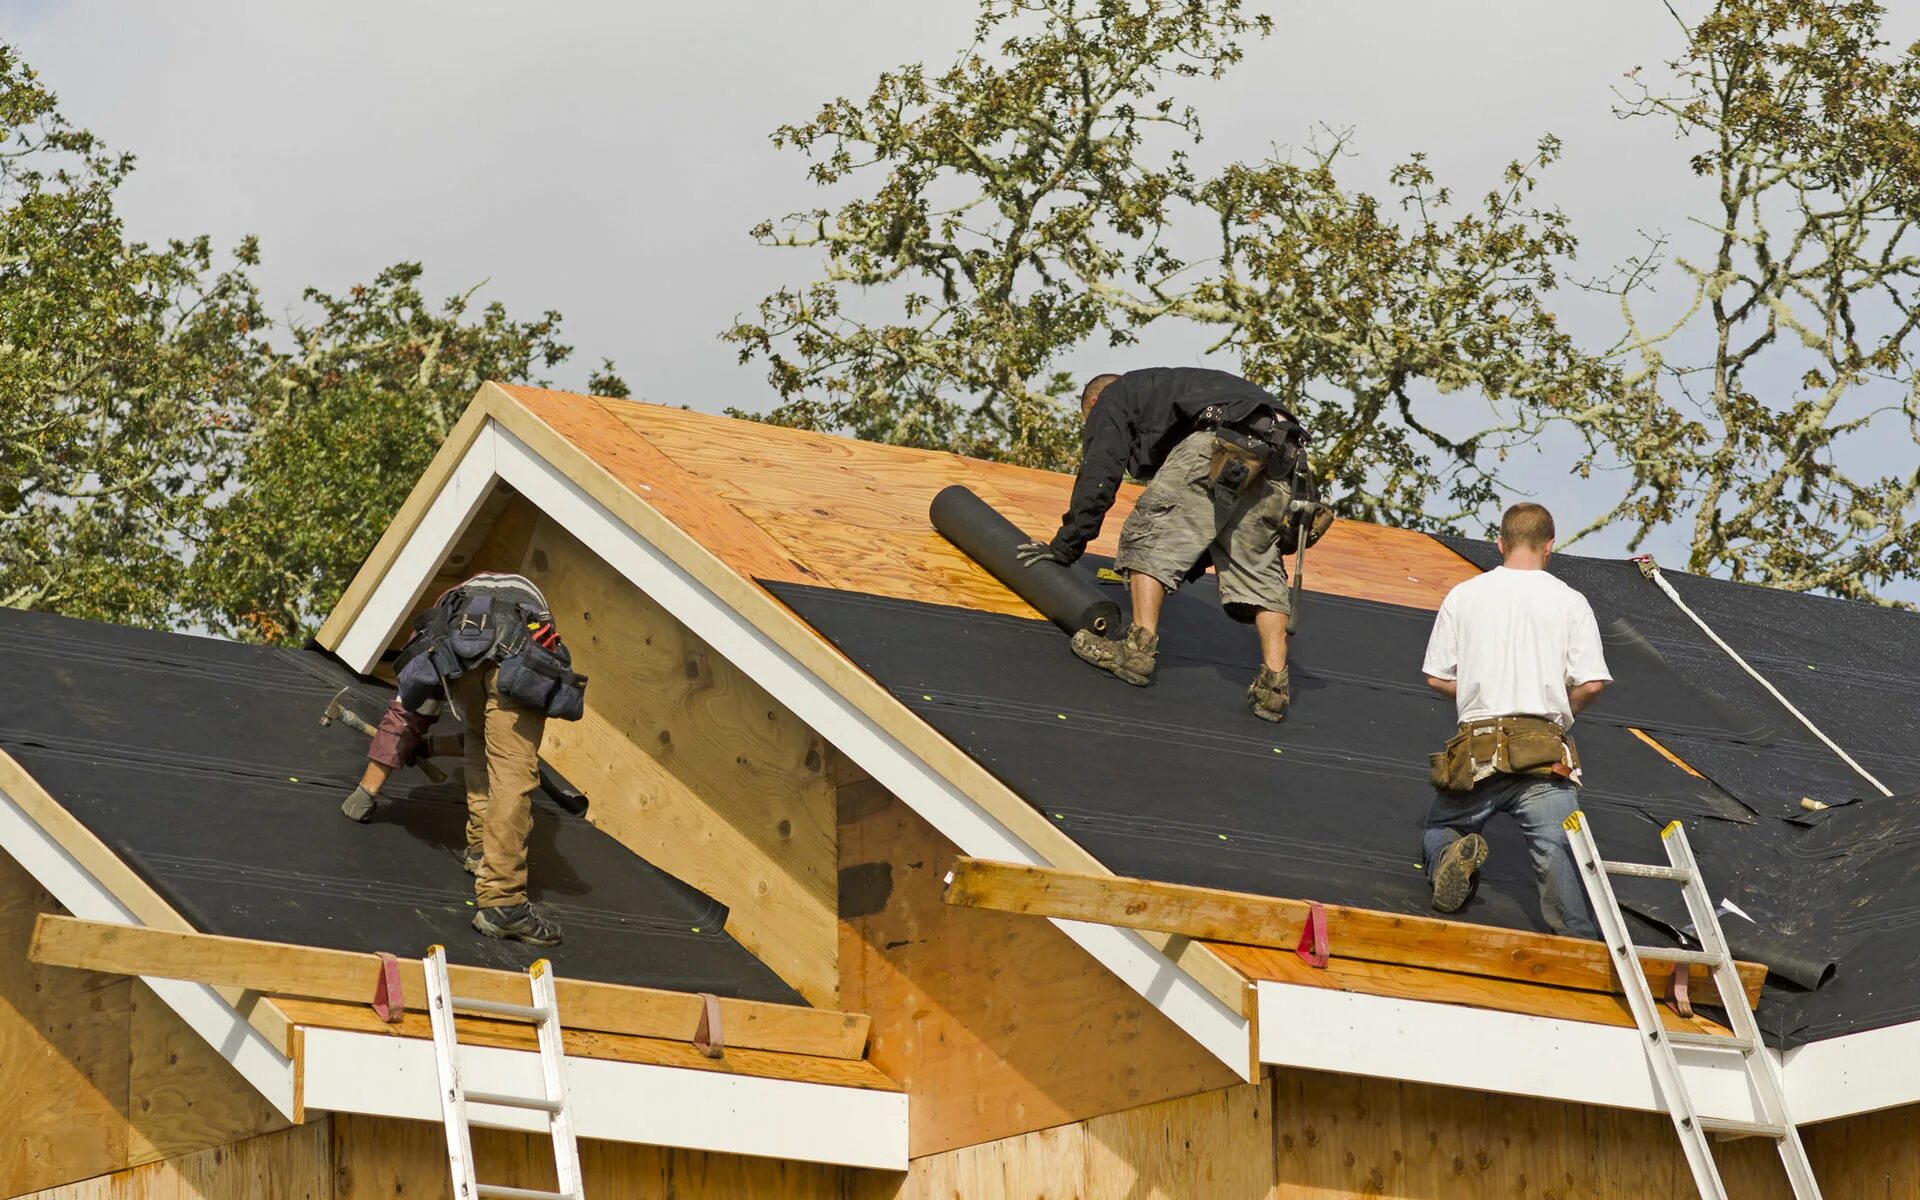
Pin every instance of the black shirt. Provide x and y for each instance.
(1134, 425)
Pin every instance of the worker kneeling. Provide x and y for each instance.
(1225, 462)
(490, 649)
(1519, 653)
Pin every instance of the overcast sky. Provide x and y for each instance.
(607, 159)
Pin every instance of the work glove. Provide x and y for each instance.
(1030, 553)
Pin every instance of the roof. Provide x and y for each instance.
(956, 697)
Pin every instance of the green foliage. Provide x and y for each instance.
(1794, 357)
(1000, 199)
(339, 430)
(125, 371)
(162, 462)
(1028, 201)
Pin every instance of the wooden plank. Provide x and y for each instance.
(313, 973)
(1046, 1164)
(1665, 753)
(1356, 933)
(593, 1043)
(63, 1056)
(181, 1095)
(694, 767)
(1449, 987)
(994, 1025)
(794, 637)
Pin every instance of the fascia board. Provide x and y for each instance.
(1453, 1045)
(1853, 1074)
(379, 1075)
(496, 453)
(218, 1023)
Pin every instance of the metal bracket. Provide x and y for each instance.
(388, 1003)
(708, 1037)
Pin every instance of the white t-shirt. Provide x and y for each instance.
(1515, 641)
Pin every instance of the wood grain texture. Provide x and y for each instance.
(590, 1043)
(291, 1164)
(995, 1024)
(1339, 1135)
(1451, 987)
(63, 1055)
(181, 1095)
(381, 1159)
(315, 973)
(1352, 933)
(694, 767)
(1217, 1144)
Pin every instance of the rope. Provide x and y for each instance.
(1651, 570)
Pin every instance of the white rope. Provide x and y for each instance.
(1651, 570)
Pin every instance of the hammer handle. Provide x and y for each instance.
(353, 720)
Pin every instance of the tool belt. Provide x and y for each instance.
(461, 632)
(1266, 445)
(1503, 746)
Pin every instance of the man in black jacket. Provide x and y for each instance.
(1220, 455)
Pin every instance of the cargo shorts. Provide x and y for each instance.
(1179, 521)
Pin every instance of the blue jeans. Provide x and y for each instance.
(1540, 805)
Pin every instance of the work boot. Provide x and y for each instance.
(1459, 865)
(517, 923)
(1269, 694)
(1130, 658)
(359, 805)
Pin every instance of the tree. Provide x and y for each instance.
(340, 429)
(1016, 207)
(1001, 193)
(1764, 403)
(124, 371)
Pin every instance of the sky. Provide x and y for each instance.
(607, 159)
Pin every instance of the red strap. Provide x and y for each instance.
(388, 1004)
(708, 1037)
(1313, 937)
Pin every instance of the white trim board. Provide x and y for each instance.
(1456, 1046)
(618, 1101)
(497, 453)
(202, 1008)
(1853, 1074)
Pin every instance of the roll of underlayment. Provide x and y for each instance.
(1065, 597)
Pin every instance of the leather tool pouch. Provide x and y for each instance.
(534, 677)
(1235, 467)
(1503, 746)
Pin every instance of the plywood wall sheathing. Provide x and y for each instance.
(995, 1024)
(292, 1164)
(382, 1159)
(693, 766)
(97, 1074)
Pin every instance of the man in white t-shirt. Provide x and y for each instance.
(1519, 653)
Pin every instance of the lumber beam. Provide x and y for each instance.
(1213, 915)
(310, 972)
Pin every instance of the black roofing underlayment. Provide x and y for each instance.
(202, 763)
(1180, 782)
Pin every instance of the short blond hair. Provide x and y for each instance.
(1091, 392)
(1526, 526)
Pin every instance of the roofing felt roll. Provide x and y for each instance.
(1064, 597)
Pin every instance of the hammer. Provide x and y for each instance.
(353, 720)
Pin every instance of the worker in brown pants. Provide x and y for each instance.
(489, 647)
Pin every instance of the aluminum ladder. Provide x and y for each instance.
(1762, 1074)
(544, 1015)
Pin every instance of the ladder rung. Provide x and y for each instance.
(501, 1100)
(1693, 958)
(1713, 1041)
(507, 1193)
(1765, 1129)
(496, 1008)
(1645, 871)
